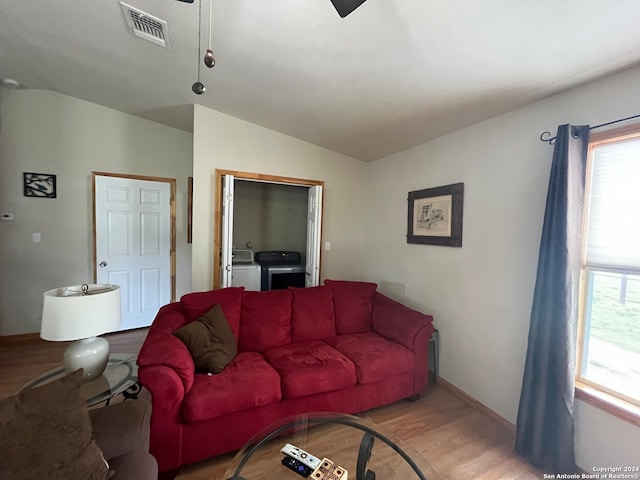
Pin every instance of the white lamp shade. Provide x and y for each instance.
(68, 314)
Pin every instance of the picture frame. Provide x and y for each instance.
(39, 185)
(434, 215)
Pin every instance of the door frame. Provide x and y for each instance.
(255, 177)
(172, 213)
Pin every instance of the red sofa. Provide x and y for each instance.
(340, 347)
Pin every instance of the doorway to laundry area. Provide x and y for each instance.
(266, 213)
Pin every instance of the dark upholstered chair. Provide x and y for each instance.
(121, 431)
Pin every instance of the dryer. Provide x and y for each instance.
(244, 271)
(281, 269)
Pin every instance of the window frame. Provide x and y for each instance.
(591, 392)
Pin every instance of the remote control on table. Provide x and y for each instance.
(296, 466)
(303, 457)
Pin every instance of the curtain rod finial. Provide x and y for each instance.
(546, 137)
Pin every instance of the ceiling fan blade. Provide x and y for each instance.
(345, 7)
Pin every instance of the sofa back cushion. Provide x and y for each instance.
(312, 315)
(353, 304)
(194, 305)
(265, 320)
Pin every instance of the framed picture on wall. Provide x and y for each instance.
(39, 185)
(435, 216)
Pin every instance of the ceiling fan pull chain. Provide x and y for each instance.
(198, 88)
(209, 59)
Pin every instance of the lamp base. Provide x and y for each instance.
(91, 354)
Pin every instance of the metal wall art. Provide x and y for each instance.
(39, 185)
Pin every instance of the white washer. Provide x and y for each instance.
(244, 271)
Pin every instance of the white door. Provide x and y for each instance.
(133, 244)
(314, 219)
(226, 270)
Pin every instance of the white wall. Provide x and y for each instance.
(481, 294)
(46, 132)
(225, 142)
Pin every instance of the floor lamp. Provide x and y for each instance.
(81, 313)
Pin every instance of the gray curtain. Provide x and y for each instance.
(545, 427)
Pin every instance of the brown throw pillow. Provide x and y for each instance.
(210, 341)
(46, 432)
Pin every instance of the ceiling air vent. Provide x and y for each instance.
(146, 26)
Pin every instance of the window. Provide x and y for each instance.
(609, 333)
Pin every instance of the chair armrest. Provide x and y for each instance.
(167, 394)
(122, 428)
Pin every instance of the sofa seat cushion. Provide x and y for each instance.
(307, 368)
(375, 357)
(247, 382)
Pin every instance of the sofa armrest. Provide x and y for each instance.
(122, 428)
(162, 348)
(401, 324)
(408, 327)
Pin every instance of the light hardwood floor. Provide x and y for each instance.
(459, 441)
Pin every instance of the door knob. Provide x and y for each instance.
(103, 264)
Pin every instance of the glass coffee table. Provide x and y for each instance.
(348, 448)
(120, 377)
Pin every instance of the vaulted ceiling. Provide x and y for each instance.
(393, 74)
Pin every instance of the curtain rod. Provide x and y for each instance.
(546, 136)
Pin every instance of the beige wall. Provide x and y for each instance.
(46, 132)
(225, 142)
(481, 294)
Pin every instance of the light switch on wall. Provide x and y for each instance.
(36, 238)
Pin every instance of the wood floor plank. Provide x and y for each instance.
(458, 440)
